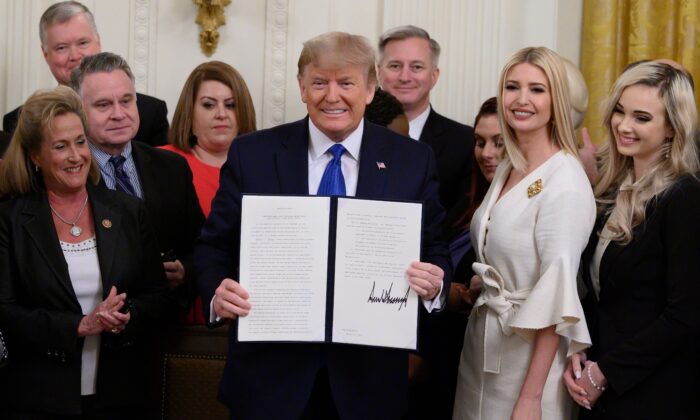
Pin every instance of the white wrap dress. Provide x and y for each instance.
(528, 246)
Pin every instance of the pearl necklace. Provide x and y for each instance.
(74, 230)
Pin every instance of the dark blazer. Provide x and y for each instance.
(645, 326)
(153, 117)
(4, 142)
(171, 205)
(171, 202)
(275, 380)
(39, 312)
(453, 145)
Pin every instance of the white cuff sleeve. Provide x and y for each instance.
(436, 303)
(212, 315)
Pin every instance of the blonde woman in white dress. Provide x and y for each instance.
(529, 234)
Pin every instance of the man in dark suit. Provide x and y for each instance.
(68, 33)
(159, 177)
(313, 380)
(408, 69)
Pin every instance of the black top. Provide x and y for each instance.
(645, 326)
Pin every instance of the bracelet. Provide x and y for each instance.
(590, 378)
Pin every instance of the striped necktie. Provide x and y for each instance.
(123, 183)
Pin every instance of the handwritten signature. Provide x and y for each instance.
(386, 298)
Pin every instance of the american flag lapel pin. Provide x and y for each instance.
(381, 165)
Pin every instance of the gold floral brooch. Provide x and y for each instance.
(534, 188)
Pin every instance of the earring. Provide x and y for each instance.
(36, 168)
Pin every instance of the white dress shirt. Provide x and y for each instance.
(107, 170)
(319, 157)
(415, 126)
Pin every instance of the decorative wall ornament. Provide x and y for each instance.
(275, 63)
(140, 51)
(210, 15)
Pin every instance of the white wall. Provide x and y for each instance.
(263, 38)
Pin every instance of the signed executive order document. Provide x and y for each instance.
(287, 244)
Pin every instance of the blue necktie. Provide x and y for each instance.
(123, 183)
(333, 182)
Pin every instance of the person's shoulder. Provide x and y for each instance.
(448, 123)
(148, 100)
(4, 142)
(565, 172)
(10, 205)
(113, 198)
(9, 120)
(13, 206)
(687, 187)
(159, 156)
(269, 137)
(173, 149)
(394, 140)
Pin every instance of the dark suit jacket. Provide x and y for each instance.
(171, 204)
(153, 116)
(453, 144)
(4, 142)
(275, 380)
(645, 326)
(39, 312)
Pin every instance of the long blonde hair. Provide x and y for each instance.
(678, 155)
(563, 134)
(17, 174)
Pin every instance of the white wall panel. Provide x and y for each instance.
(263, 38)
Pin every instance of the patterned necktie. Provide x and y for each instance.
(333, 182)
(123, 183)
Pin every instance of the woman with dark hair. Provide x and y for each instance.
(448, 333)
(82, 286)
(488, 153)
(214, 107)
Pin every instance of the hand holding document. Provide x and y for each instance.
(230, 300)
(319, 270)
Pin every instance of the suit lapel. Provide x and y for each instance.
(375, 163)
(432, 128)
(40, 227)
(292, 160)
(144, 168)
(107, 227)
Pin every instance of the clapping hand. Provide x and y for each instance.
(106, 316)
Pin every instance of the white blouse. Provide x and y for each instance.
(84, 272)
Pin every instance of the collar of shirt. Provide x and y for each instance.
(415, 126)
(107, 171)
(319, 143)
